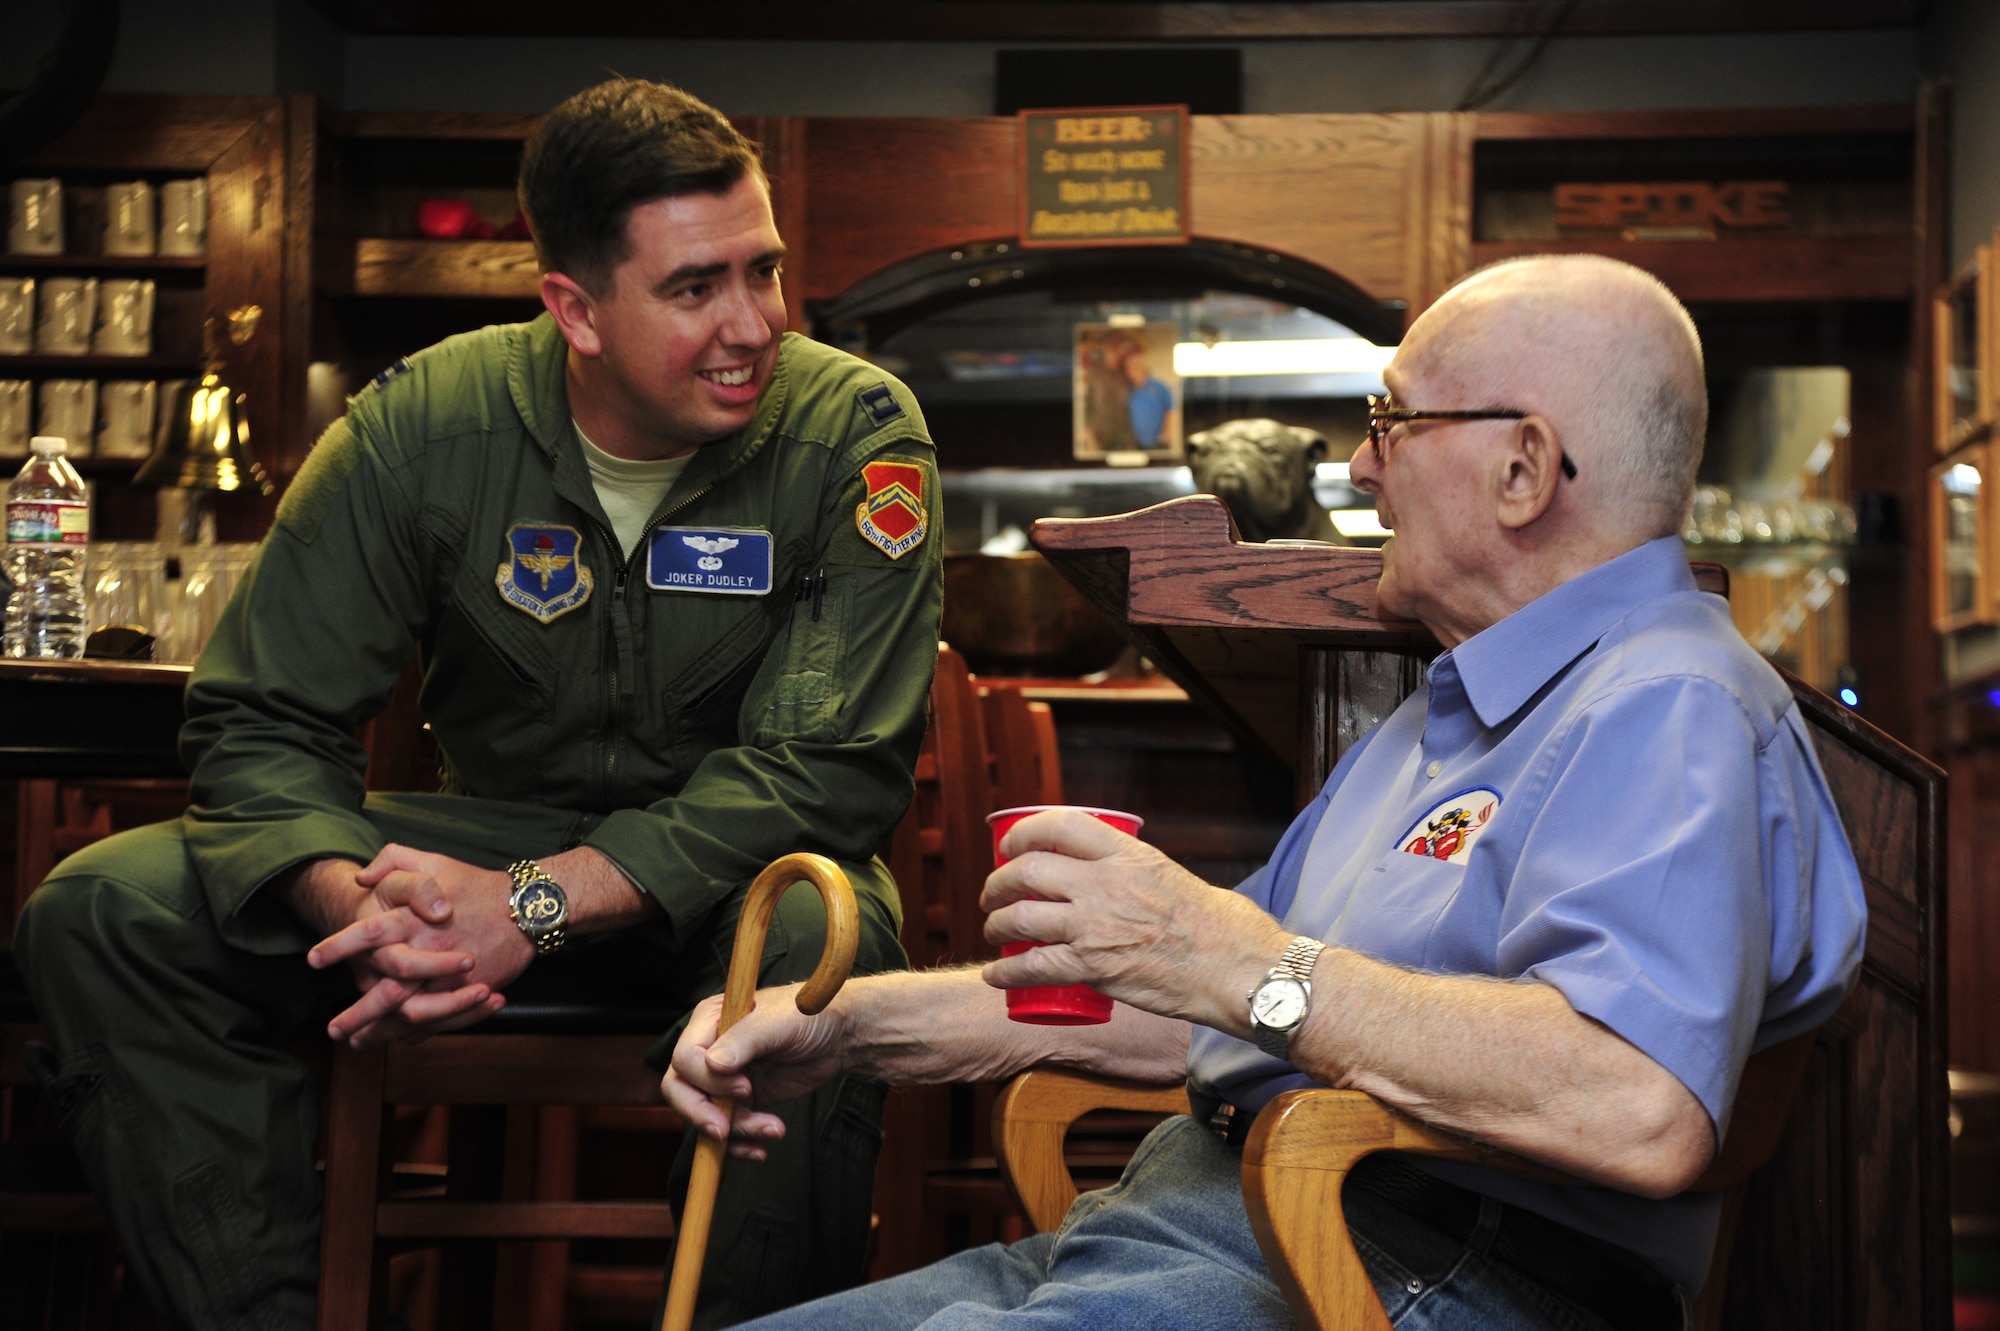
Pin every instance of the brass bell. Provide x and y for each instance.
(203, 442)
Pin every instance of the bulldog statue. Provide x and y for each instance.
(1263, 471)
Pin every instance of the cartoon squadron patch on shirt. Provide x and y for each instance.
(1449, 831)
(543, 575)
(892, 518)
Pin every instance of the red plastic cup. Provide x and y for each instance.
(1055, 1004)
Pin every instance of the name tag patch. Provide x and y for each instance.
(543, 576)
(1449, 831)
(725, 561)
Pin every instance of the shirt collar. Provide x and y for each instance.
(536, 380)
(1507, 663)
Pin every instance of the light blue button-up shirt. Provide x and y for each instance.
(1608, 792)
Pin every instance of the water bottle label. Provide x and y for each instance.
(47, 522)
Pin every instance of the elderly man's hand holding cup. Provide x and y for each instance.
(1054, 1004)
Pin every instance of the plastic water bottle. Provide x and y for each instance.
(48, 526)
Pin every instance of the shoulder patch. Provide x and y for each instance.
(892, 517)
(879, 404)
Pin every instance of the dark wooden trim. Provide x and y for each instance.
(151, 132)
(1930, 263)
(1096, 20)
(353, 1116)
(523, 1069)
(1731, 123)
(1764, 268)
(525, 1220)
(485, 125)
(51, 1213)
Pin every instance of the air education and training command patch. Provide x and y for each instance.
(543, 576)
(892, 517)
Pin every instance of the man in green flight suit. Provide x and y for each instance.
(674, 579)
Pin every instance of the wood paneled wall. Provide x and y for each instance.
(1382, 200)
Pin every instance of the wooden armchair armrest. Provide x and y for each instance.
(1294, 1165)
(1033, 1115)
(1299, 1153)
(1302, 1146)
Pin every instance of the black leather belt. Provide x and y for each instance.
(1599, 1276)
(1602, 1277)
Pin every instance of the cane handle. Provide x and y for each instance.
(843, 934)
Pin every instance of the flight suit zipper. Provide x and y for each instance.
(617, 605)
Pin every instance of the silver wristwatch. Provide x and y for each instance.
(1279, 1005)
(538, 905)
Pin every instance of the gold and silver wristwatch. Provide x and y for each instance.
(539, 908)
(1279, 1005)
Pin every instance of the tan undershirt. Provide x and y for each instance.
(629, 491)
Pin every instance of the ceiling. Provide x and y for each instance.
(1104, 20)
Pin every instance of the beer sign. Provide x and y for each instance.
(1104, 176)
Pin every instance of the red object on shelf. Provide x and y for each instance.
(1976, 1312)
(452, 219)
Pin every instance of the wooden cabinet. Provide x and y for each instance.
(238, 146)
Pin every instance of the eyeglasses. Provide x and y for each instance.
(1383, 416)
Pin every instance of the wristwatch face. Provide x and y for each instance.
(1279, 1003)
(541, 906)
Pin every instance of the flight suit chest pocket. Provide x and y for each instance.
(805, 700)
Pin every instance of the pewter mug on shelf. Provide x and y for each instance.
(17, 316)
(66, 316)
(184, 217)
(34, 217)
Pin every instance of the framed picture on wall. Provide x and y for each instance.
(1961, 517)
(1127, 398)
(1963, 313)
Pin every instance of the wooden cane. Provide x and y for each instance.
(843, 933)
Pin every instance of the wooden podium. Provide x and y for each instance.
(1847, 1227)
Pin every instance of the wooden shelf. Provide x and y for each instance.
(433, 125)
(489, 268)
(101, 367)
(1754, 269)
(104, 263)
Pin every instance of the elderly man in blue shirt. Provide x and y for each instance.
(1552, 904)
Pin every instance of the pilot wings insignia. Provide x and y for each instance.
(544, 563)
(712, 545)
(544, 575)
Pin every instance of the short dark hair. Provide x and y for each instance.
(610, 148)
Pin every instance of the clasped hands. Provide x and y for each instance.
(1110, 911)
(430, 940)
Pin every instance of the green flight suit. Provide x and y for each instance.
(690, 726)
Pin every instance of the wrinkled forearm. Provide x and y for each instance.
(1511, 1064)
(938, 1027)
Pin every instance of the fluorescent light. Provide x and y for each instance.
(1303, 355)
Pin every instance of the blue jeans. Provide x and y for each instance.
(1169, 1246)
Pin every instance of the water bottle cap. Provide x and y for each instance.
(48, 443)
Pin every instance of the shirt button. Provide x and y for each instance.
(1437, 765)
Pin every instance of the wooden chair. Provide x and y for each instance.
(1027, 766)
(523, 1071)
(1300, 1151)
